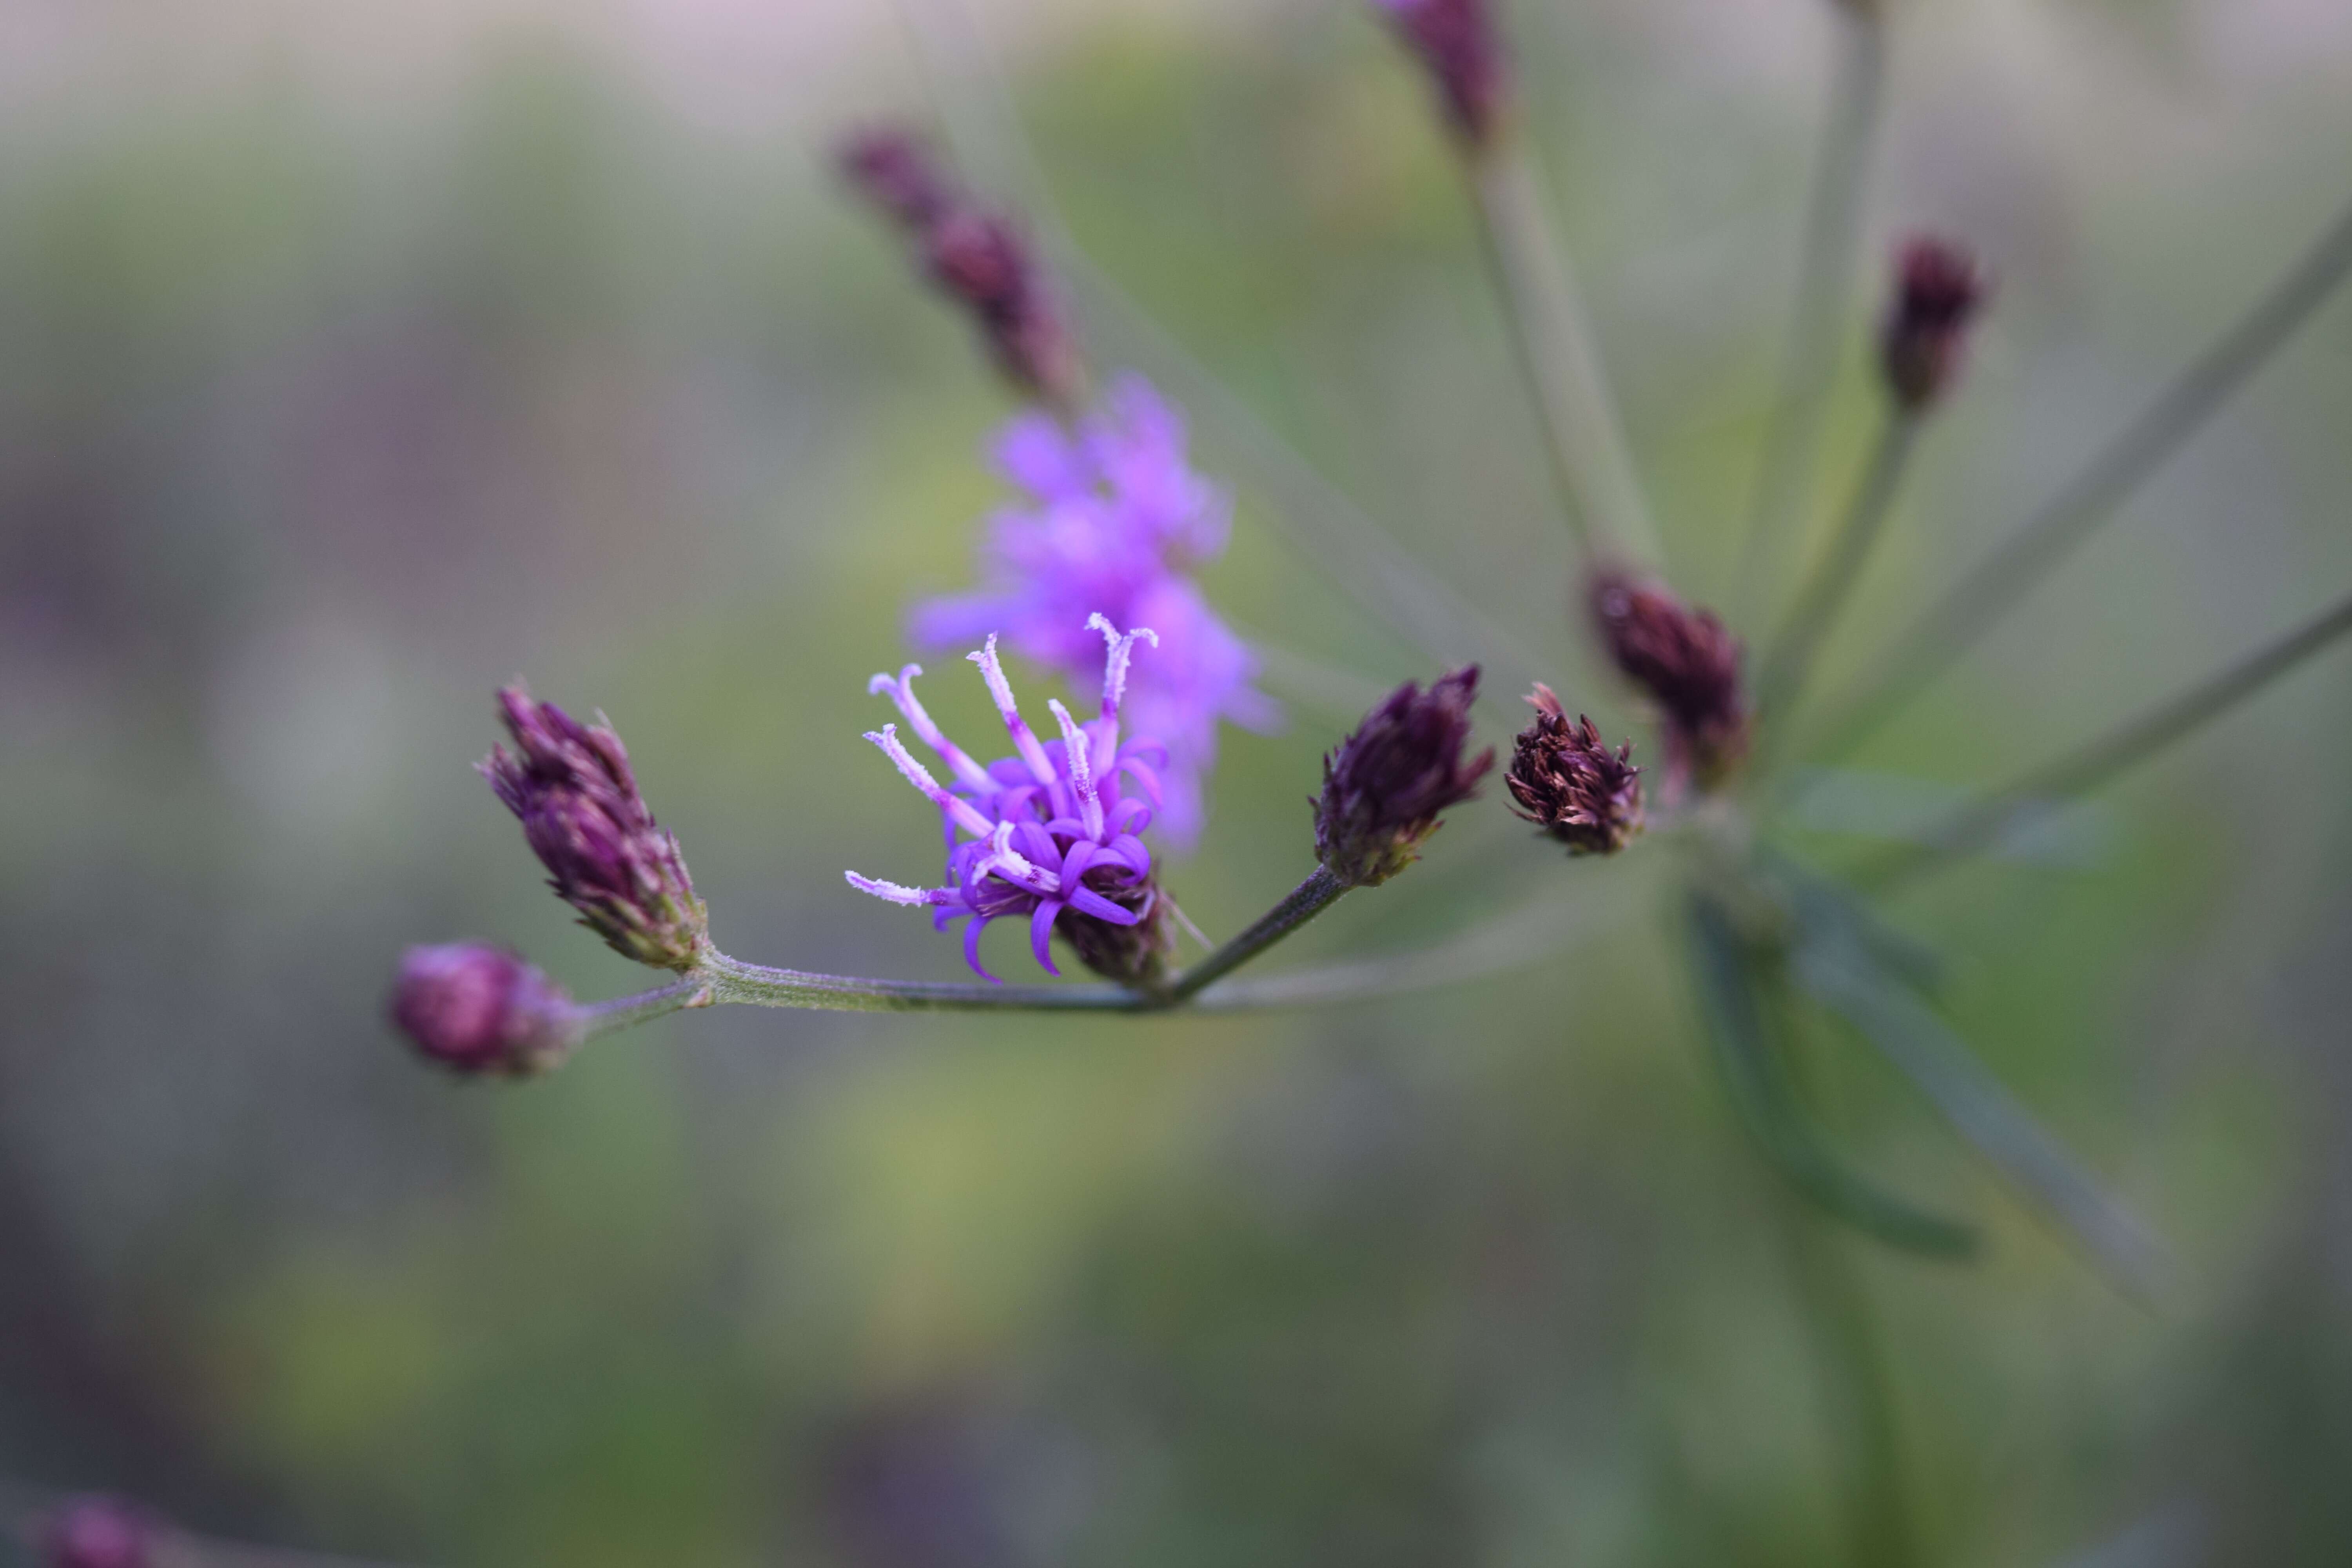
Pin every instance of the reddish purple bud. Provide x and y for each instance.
(980, 261)
(1384, 786)
(897, 172)
(1462, 51)
(98, 1532)
(1564, 780)
(1938, 289)
(573, 789)
(1685, 661)
(481, 1011)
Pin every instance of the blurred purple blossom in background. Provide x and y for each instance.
(1115, 521)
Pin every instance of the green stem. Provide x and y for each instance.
(1825, 592)
(1824, 282)
(1974, 605)
(1591, 464)
(1310, 898)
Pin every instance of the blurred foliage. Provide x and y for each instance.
(311, 432)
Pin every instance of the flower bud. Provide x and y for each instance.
(982, 262)
(1939, 291)
(1564, 780)
(98, 1532)
(573, 789)
(895, 172)
(1384, 786)
(1685, 661)
(1458, 46)
(481, 1011)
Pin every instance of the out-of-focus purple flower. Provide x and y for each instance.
(1043, 835)
(482, 1011)
(572, 787)
(1566, 780)
(976, 258)
(1938, 289)
(1384, 786)
(1114, 520)
(98, 1532)
(1685, 661)
(1462, 51)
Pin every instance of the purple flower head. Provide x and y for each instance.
(572, 787)
(1938, 289)
(1385, 785)
(1458, 46)
(98, 1532)
(1114, 520)
(482, 1011)
(1566, 781)
(1046, 833)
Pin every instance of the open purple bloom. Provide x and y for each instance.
(1115, 521)
(1046, 833)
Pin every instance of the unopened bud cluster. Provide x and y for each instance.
(976, 258)
(1460, 48)
(1385, 786)
(1566, 781)
(573, 789)
(482, 1012)
(1939, 291)
(1685, 662)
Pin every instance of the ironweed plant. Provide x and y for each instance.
(1092, 576)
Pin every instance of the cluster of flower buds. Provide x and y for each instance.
(483, 1012)
(1938, 289)
(1461, 50)
(1566, 781)
(978, 258)
(1687, 664)
(1046, 836)
(1385, 785)
(101, 1532)
(573, 788)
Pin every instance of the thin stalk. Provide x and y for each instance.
(1824, 593)
(1310, 898)
(1971, 606)
(1983, 821)
(1591, 464)
(1824, 282)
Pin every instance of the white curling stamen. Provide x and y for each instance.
(894, 892)
(966, 815)
(1082, 772)
(1014, 866)
(900, 689)
(992, 670)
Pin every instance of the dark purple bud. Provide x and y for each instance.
(1462, 51)
(1685, 661)
(98, 1532)
(482, 1011)
(1384, 786)
(1564, 780)
(573, 789)
(985, 264)
(1938, 289)
(895, 170)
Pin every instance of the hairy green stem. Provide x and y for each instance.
(1825, 281)
(1982, 821)
(1974, 605)
(1591, 463)
(1824, 593)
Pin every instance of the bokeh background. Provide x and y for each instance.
(356, 357)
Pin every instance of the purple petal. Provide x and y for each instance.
(1041, 932)
(1086, 901)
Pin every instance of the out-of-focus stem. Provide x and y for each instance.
(1978, 601)
(1591, 463)
(1824, 283)
(1310, 898)
(1825, 592)
(1983, 821)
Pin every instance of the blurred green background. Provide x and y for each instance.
(355, 358)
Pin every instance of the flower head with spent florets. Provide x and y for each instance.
(1685, 661)
(1384, 785)
(572, 787)
(1116, 521)
(1565, 780)
(1045, 834)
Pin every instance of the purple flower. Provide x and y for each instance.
(1115, 521)
(97, 1532)
(482, 1011)
(1043, 834)
(1458, 46)
(572, 787)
